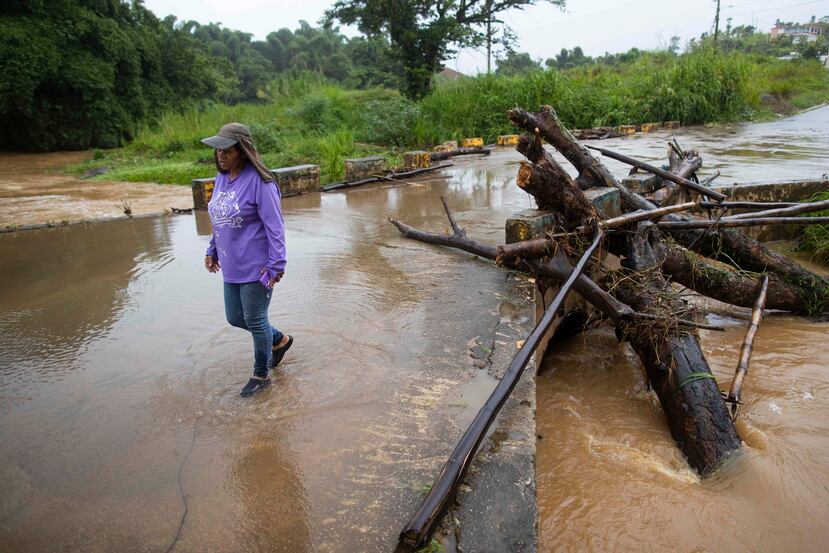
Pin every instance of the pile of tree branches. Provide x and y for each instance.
(660, 250)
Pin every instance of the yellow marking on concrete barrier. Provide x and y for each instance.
(627, 129)
(416, 159)
(522, 232)
(508, 140)
(202, 192)
(648, 127)
(670, 125)
(472, 142)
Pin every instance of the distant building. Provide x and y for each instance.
(801, 32)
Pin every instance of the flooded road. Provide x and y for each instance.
(120, 375)
(794, 148)
(119, 384)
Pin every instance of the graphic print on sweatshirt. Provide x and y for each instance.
(224, 210)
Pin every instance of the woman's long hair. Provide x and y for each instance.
(251, 155)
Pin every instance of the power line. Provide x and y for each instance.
(779, 7)
(743, 5)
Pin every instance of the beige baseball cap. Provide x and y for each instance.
(227, 136)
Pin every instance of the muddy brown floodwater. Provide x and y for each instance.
(119, 380)
(610, 477)
(33, 190)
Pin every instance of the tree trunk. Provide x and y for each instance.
(440, 156)
(672, 192)
(674, 362)
(554, 189)
(745, 253)
(748, 345)
(659, 337)
(723, 284)
(549, 127)
(672, 357)
(392, 176)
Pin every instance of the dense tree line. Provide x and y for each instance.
(743, 38)
(76, 74)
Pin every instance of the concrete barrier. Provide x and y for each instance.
(416, 159)
(508, 140)
(788, 191)
(202, 192)
(447, 146)
(627, 129)
(298, 179)
(642, 183)
(472, 142)
(670, 125)
(364, 167)
(649, 127)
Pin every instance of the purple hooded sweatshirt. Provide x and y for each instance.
(248, 231)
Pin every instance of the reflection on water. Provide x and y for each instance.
(274, 514)
(119, 383)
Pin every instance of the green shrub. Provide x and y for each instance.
(267, 137)
(388, 122)
(815, 238)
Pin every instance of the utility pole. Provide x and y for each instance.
(717, 24)
(488, 35)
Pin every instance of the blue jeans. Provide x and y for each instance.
(246, 307)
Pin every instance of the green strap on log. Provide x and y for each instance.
(693, 377)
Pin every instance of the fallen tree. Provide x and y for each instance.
(390, 176)
(639, 298)
(440, 156)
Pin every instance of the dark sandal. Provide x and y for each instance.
(254, 386)
(279, 353)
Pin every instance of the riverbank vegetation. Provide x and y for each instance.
(815, 238)
(104, 74)
(76, 74)
(311, 119)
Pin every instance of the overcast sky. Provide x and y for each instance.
(598, 26)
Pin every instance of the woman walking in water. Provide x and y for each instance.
(248, 245)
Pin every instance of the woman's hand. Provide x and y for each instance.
(212, 264)
(272, 280)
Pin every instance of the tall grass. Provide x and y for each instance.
(815, 238)
(793, 85)
(694, 88)
(309, 120)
